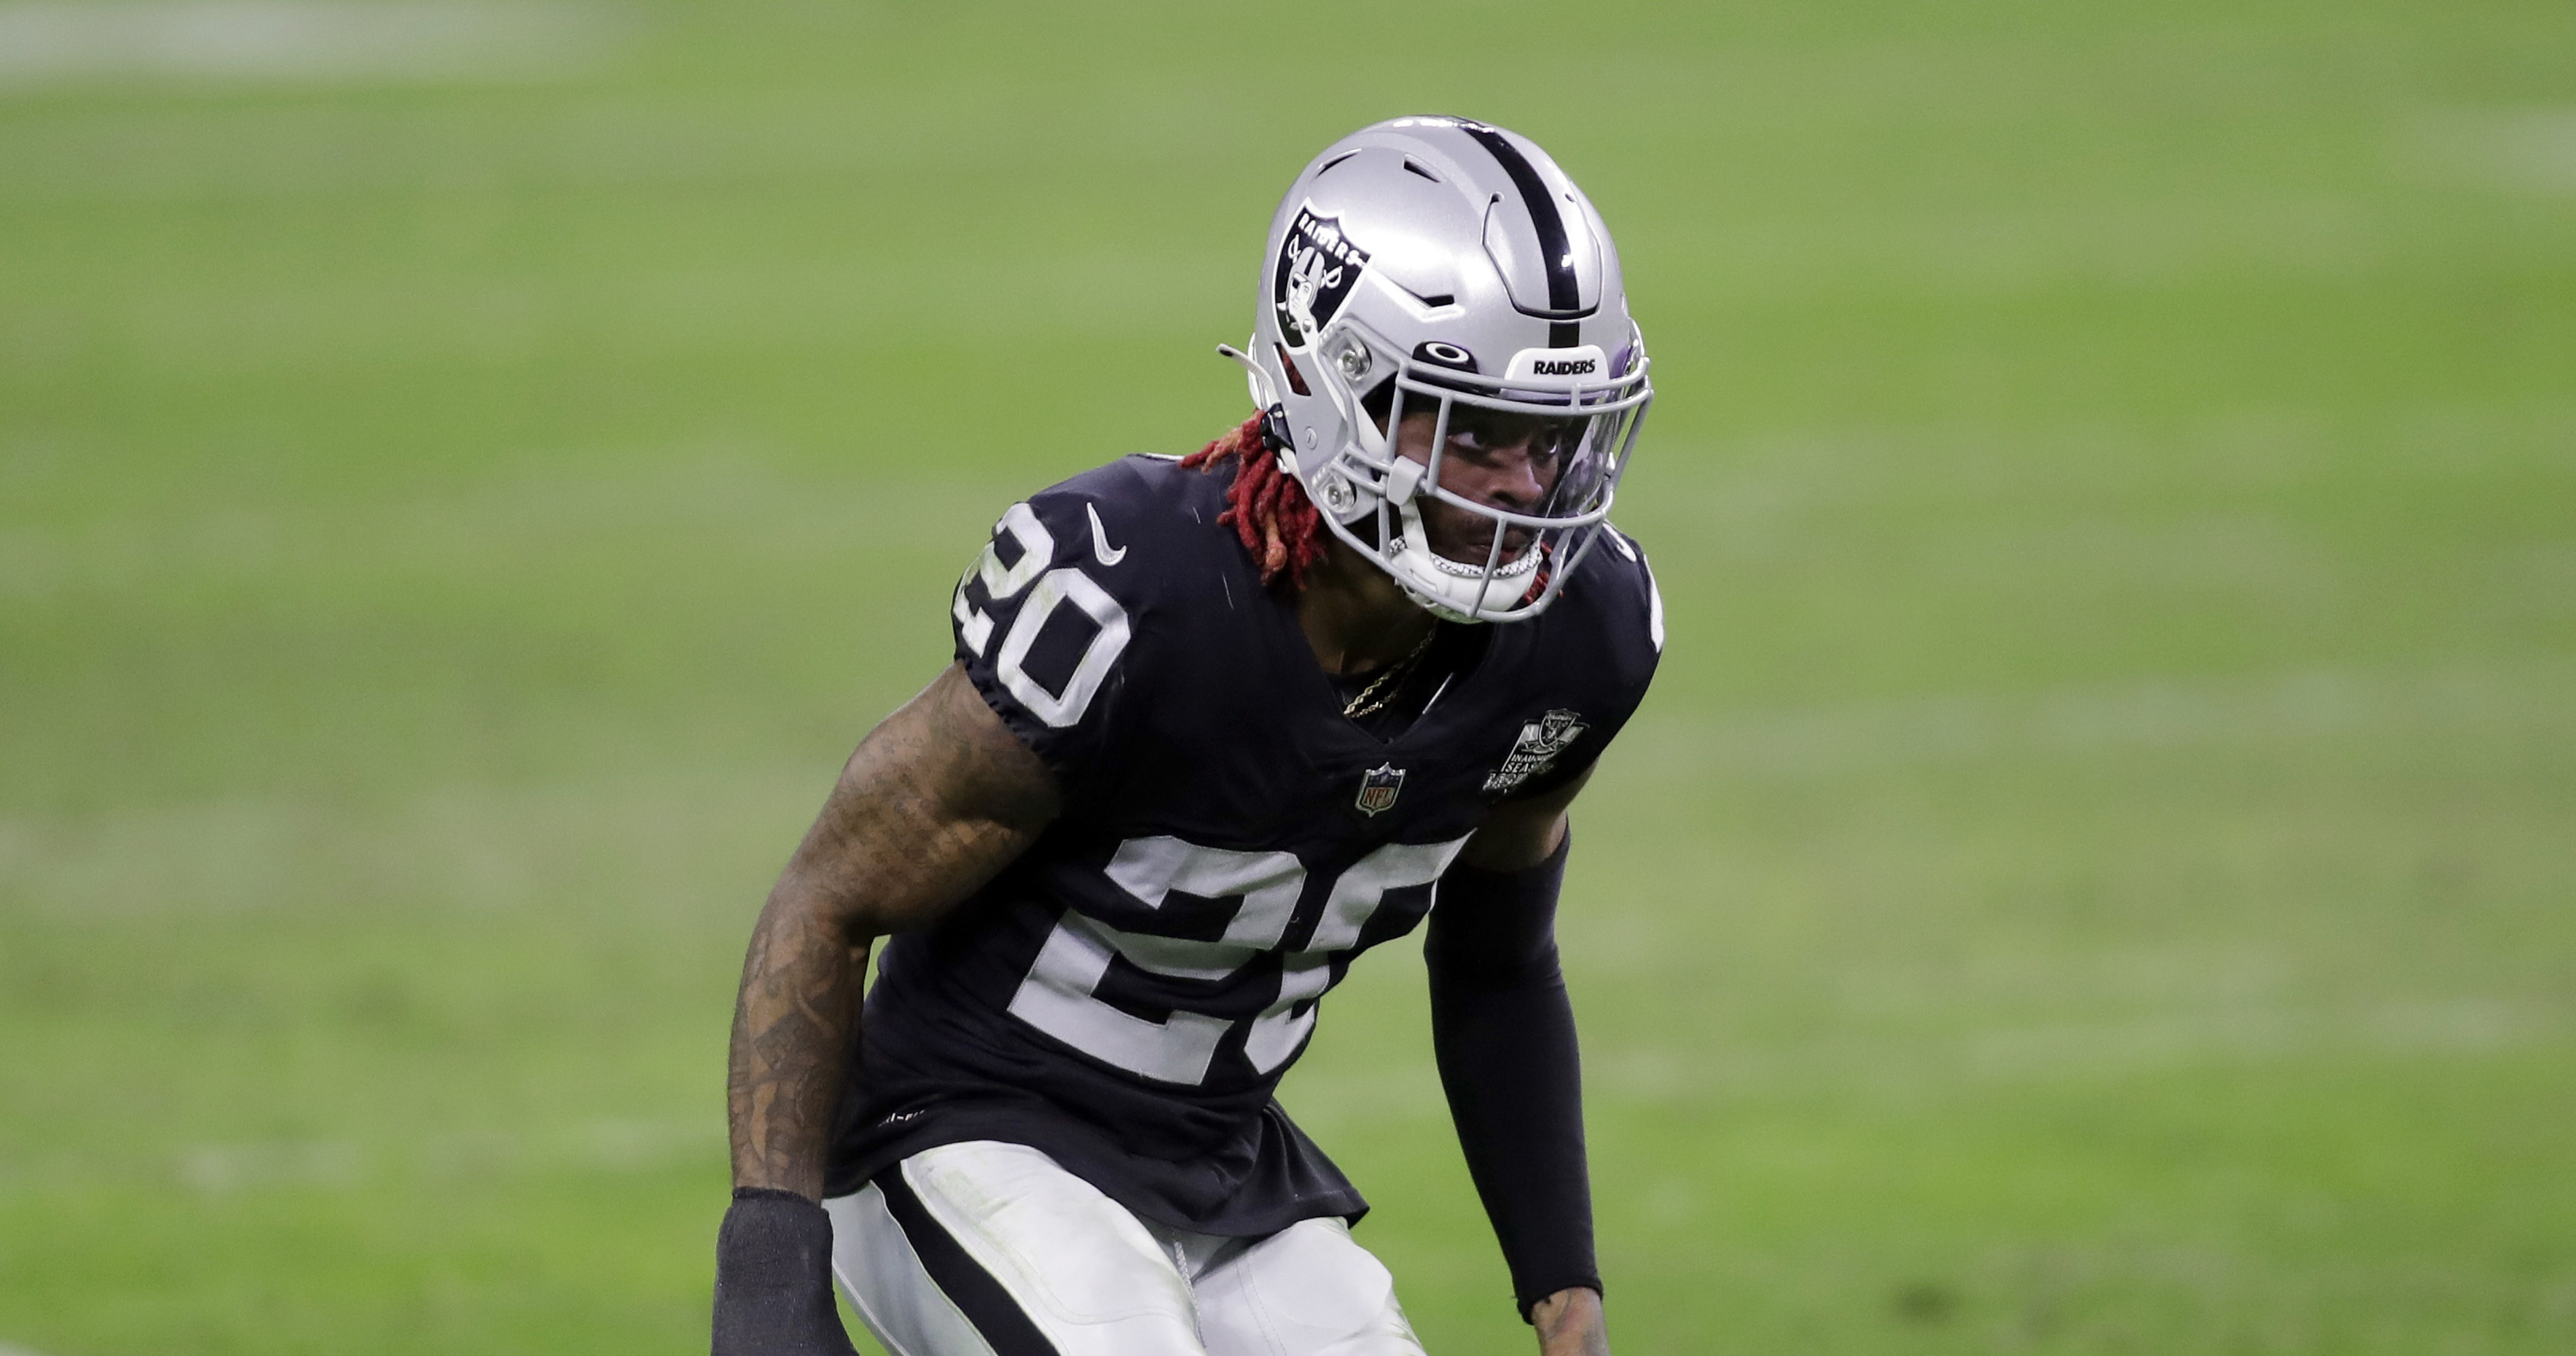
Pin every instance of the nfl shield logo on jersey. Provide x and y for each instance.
(1378, 789)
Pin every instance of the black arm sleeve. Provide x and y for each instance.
(1503, 1031)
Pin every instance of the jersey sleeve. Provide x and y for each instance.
(1620, 644)
(1047, 643)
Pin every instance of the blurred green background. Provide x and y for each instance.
(2094, 875)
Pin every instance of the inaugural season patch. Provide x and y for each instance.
(1318, 267)
(1536, 750)
(1378, 789)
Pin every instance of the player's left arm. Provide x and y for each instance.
(1520, 834)
(1503, 1030)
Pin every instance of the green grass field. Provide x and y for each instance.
(2097, 873)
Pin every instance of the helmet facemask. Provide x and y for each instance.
(1394, 493)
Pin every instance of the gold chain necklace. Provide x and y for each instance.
(1362, 705)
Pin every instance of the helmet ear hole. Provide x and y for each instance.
(1379, 401)
(1296, 379)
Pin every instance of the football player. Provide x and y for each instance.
(1216, 725)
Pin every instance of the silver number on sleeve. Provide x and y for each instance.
(1066, 584)
(1062, 585)
(1037, 547)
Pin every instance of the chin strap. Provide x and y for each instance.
(1456, 596)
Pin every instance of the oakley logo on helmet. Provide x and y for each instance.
(1318, 267)
(1440, 353)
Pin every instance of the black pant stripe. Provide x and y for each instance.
(964, 1280)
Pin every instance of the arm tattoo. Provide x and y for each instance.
(792, 1028)
(934, 802)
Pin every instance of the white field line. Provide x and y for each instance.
(291, 40)
(2053, 1053)
(1329, 1102)
(2528, 150)
(1774, 488)
(614, 1145)
(2516, 695)
(238, 150)
(386, 317)
(656, 840)
(727, 501)
(650, 843)
(2084, 1051)
(617, 1145)
(223, 1169)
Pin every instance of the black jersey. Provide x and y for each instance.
(1128, 993)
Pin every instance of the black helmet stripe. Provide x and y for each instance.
(1564, 294)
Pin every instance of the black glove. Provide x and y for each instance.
(774, 1278)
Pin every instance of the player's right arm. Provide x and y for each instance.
(936, 800)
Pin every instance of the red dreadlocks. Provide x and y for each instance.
(1269, 510)
(1265, 505)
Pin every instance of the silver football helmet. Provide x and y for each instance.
(1446, 269)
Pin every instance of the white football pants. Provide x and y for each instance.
(990, 1249)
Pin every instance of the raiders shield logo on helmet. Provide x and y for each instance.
(1318, 267)
(1378, 788)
